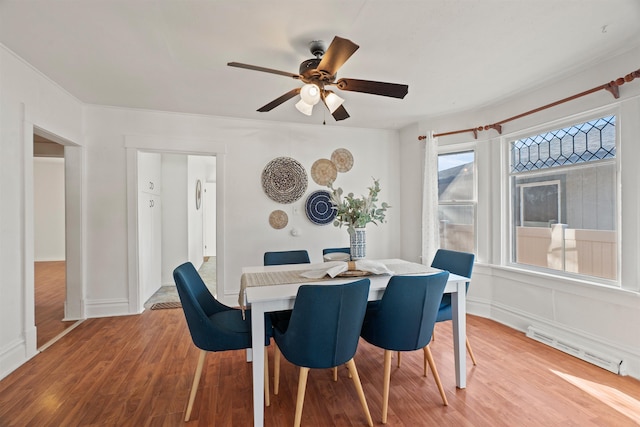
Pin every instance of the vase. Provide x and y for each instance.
(358, 243)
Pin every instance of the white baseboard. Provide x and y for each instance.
(577, 342)
(13, 356)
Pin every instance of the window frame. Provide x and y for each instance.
(509, 226)
(459, 149)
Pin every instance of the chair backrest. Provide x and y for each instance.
(325, 324)
(198, 304)
(332, 250)
(460, 263)
(286, 257)
(406, 313)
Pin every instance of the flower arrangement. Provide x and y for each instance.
(357, 212)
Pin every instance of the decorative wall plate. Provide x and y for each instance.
(198, 194)
(324, 171)
(343, 159)
(319, 208)
(278, 219)
(284, 180)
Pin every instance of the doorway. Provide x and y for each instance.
(182, 213)
(50, 281)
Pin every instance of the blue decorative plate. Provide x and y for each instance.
(319, 208)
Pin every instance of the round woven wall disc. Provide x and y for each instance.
(278, 219)
(324, 171)
(319, 208)
(284, 180)
(343, 159)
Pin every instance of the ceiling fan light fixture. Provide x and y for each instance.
(333, 101)
(304, 108)
(310, 94)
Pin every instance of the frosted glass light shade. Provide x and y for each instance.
(304, 108)
(333, 101)
(310, 94)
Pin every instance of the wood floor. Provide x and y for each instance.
(137, 371)
(50, 282)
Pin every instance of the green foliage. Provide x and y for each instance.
(357, 212)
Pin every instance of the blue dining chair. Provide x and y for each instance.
(214, 326)
(336, 251)
(281, 258)
(460, 263)
(286, 257)
(323, 332)
(403, 320)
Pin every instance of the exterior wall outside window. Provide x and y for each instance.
(457, 201)
(563, 199)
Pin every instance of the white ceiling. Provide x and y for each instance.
(171, 55)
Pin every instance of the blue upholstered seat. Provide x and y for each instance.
(286, 257)
(460, 263)
(323, 332)
(213, 326)
(403, 320)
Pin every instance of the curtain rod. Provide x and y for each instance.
(612, 86)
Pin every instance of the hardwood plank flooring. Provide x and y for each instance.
(137, 371)
(50, 293)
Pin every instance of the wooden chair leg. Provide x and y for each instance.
(335, 374)
(276, 370)
(473, 358)
(267, 400)
(302, 386)
(432, 364)
(385, 385)
(196, 382)
(351, 364)
(425, 370)
(399, 358)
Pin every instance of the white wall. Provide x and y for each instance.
(175, 239)
(48, 207)
(244, 149)
(27, 99)
(597, 317)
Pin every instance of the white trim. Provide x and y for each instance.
(107, 307)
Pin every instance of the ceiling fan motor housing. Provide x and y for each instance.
(309, 65)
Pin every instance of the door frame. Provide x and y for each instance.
(188, 146)
(74, 230)
(74, 222)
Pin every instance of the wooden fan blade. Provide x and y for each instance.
(273, 104)
(336, 55)
(340, 114)
(263, 69)
(393, 90)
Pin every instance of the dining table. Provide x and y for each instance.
(267, 289)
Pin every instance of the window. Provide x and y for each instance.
(563, 199)
(457, 201)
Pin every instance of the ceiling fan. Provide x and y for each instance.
(319, 73)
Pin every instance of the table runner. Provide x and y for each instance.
(270, 278)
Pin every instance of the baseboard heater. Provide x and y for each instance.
(608, 362)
